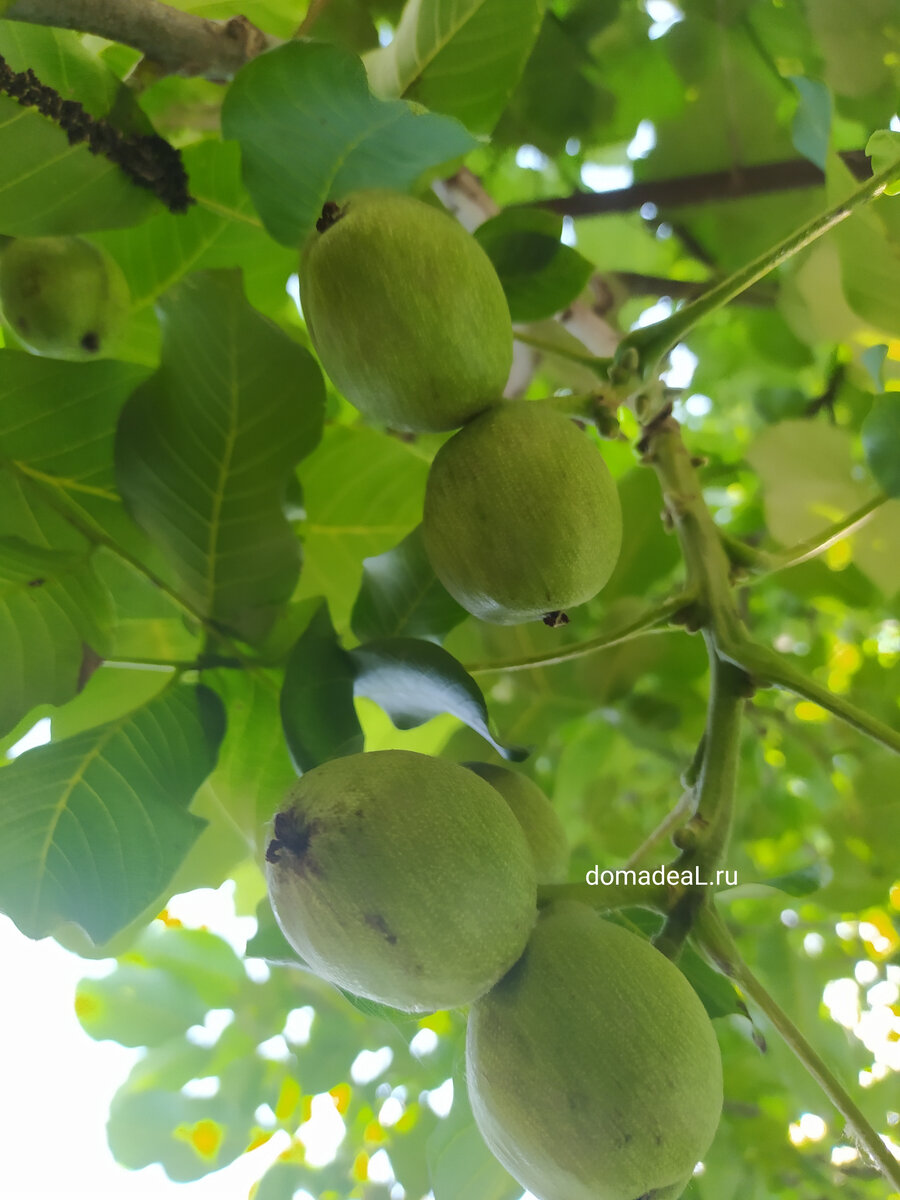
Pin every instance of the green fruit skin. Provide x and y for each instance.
(522, 517)
(406, 313)
(537, 816)
(593, 1069)
(63, 296)
(412, 883)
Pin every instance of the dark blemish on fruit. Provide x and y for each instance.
(331, 214)
(377, 921)
(91, 342)
(36, 582)
(555, 619)
(294, 836)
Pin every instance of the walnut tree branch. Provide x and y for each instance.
(179, 43)
(704, 188)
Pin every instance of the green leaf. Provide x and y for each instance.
(189, 1135)
(812, 121)
(460, 1163)
(58, 419)
(54, 614)
(873, 359)
(648, 552)
(196, 957)
(60, 60)
(363, 492)
(254, 768)
(805, 494)
(852, 39)
(204, 447)
(802, 882)
(881, 441)
(413, 681)
(220, 230)
(540, 275)
(269, 942)
(460, 57)
(50, 186)
(350, 139)
(542, 114)
(137, 1006)
(317, 710)
(93, 828)
(883, 147)
(869, 254)
(400, 594)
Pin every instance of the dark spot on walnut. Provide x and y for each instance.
(293, 835)
(91, 342)
(331, 214)
(376, 921)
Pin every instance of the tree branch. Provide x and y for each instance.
(637, 284)
(704, 188)
(180, 43)
(767, 668)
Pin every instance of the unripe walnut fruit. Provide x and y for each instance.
(539, 820)
(593, 1069)
(405, 311)
(402, 878)
(64, 296)
(522, 518)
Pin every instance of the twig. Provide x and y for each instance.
(604, 899)
(673, 818)
(643, 349)
(642, 626)
(705, 188)
(818, 543)
(766, 667)
(710, 826)
(720, 946)
(759, 296)
(180, 43)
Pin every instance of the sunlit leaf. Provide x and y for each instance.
(92, 828)
(461, 57)
(54, 613)
(204, 447)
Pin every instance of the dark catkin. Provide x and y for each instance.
(147, 159)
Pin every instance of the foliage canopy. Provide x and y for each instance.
(212, 576)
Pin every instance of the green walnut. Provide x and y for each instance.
(593, 1070)
(402, 878)
(64, 296)
(522, 518)
(405, 311)
(537, 816)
